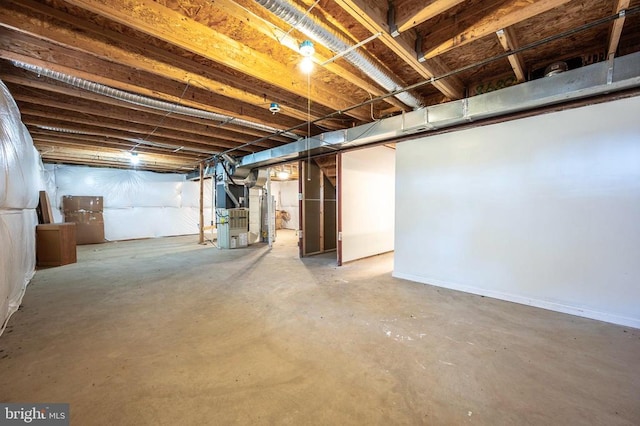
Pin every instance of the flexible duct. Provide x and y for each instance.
(298, 19)
(137, 141)
(121, 95)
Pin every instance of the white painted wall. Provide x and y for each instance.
(543, 211)
(368, 197)
(286, 194)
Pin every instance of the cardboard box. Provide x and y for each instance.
(89, 226)
(75, 203)
(88, 218)
(45, 214)
(56, 244)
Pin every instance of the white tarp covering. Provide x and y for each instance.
(20, 181)
(137, 204)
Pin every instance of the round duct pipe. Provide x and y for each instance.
(303, 23)
(121, 95)
(555, 68)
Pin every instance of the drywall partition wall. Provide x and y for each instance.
(368, 202)
(137, 204)
(543, 211)
(286, 195)
(20, 181)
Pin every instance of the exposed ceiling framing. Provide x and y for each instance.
(234, 58)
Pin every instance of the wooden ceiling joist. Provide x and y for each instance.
(509, 13)
(509, 42)
(86, 125)
(88, 101)
(110, 158)
(231, 58)
(109, 46)
(375, 21)
(616, 28)
(276, 34)
(41, 138)
(410, 13)
(222, 137)
(136, 82)
(70, 112)
(165, 24)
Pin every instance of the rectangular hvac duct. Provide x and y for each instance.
(592, 80)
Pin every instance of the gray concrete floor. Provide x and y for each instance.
(169, 332)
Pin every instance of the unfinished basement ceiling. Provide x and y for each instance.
(226, 62)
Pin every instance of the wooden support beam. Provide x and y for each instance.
(95, 143)
(77, 130)
(275, 33)
(375, 21)
(53, 57)
(509, 43)
(158, 21)
(616, 28)
(222, 137)
(412, 13)
(128, 129)
(510, 13)
(109, 158)
(92, 101)
(33, 19)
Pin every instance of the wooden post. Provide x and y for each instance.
(201, 203)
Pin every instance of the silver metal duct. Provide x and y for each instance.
(597, 79)
(137, 141)
(298, 19)
(121, 95)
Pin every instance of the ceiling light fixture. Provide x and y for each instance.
(306, 65)
(274, 107)
(283, 175)
(306, 48)
(134, 158)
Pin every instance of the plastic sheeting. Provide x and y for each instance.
(18, 260)
(137, 204)
(20, 181)
(145, 222)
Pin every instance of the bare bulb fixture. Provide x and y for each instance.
(306, 48)
(306, 65)
(134, 158)
(283, 175)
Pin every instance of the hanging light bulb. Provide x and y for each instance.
(306, 65)
(134, 158)
(283, 175)
(306, 48)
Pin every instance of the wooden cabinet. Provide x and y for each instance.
(56, 244)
